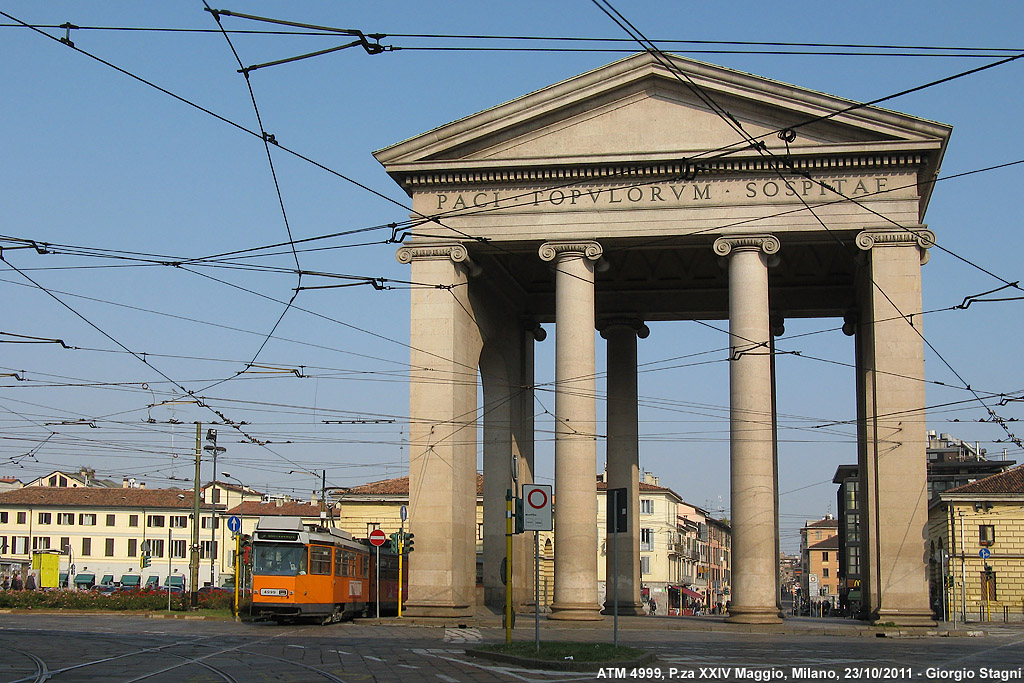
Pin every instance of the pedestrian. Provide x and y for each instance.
(16, 584)
(30, 582)
(6, 585)
(654, 607)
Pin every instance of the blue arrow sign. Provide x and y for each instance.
(405, 513)
(234, 524)
(984, 553)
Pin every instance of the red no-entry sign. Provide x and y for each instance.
(537, 510)
(378, 537)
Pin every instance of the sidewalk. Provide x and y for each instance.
(810, 626)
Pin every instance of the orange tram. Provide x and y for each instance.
(315, 573)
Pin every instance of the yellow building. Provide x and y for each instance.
(820, 566)
(100, 531)
(976, 549)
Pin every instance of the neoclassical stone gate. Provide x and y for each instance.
(618, 197)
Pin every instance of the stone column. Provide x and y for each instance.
(897, 514)
(623, 465)
(751, 460)
(575, 431)
(445, 348)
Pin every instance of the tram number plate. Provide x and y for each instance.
(279, 592)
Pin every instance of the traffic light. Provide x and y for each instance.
(519, 516)
(408, 542)
(393, 545)
(146, 560)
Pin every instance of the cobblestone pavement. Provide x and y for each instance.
(132, 648)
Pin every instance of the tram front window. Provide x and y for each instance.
(279, 560)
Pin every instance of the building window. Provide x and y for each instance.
(3, 545)
(108, 547)
(154, 520)
(86, 547)
(156, 547)
(647, 539)
(824, 557)
(211, 522)
(853, 528)
(22, 518)
(65, 544)
(110, 520)
(853, 560)
(817, 535)
(20, 545)
(480, 531)
(40, 543)
(178, 549)
(986, 535)
(178, 521)
(824, 572)
(370, 527)
(3, 518)
(66, 518)
(45, 517)
(645, 564)
(87, 519)
(133, 520)
(852, 488)
(646, 506)
(133, 547)
(204, 550)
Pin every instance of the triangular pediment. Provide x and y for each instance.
(639, 109)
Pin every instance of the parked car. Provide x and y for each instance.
(176, 590)
(104, 588)
(130, 582)
(152, 583)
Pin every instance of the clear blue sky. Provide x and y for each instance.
(96, 160)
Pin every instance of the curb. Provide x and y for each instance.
(561, 665)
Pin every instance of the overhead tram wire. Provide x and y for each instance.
(733, 123)
(431, 220)
(330, 32)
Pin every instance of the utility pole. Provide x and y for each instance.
(193, 564)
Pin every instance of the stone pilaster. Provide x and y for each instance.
(445, 345)
(575, 430)
(895, 457)
(755, 563)
(622, 554)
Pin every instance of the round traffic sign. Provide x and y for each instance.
(378, 537)
(234, 524)
(537, 498)
(984, 553)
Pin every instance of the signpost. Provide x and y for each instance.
(377, 539)
(616, 513)
(536, 518)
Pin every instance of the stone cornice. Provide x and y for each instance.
(654, 169)
(769, 244)
(549, 251)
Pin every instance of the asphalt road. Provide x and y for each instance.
(129, 648)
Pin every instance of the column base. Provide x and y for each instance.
(753, 615)
(626, 609)
(437, 610)
(569, 611)
(903, 618)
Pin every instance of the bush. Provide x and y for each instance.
(89, 600)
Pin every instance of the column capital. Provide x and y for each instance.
(769, 244)
(550, 251)
(634, 324)
(918, 236)
(455, 251)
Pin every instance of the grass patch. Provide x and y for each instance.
(560, 651)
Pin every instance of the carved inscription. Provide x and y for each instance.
(666, 194)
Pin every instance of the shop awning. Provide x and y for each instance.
(693, 594)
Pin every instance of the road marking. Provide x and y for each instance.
(447, 679)
(340, 652)
(408, 666)
(376, 659)
(301, 647)
(462, 635)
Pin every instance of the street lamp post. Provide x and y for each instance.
(238, 537)
(211, 438)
